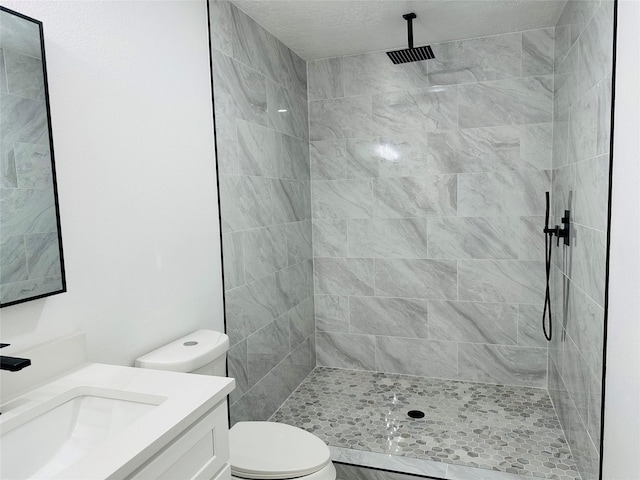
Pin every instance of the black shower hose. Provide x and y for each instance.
(548, 245)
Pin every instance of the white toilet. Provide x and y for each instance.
(259, 450)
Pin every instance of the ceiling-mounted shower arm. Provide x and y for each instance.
(409, 18)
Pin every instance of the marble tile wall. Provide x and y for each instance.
(428, 184)
(582, 112)
(29, 249)
(262, 139)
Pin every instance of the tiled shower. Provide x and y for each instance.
(427, 261)
(388, 219)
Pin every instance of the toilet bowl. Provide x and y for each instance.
(258, 450)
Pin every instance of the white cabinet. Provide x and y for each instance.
(201, 452)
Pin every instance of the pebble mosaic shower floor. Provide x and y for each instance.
(495, 427)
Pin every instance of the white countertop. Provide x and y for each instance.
(181, 399)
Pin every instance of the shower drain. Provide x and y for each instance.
(415, 413)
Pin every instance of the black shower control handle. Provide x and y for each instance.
(561, 232)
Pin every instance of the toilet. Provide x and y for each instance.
(259, 450)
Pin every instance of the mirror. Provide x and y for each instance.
(31, 261)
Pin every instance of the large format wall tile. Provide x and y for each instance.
(301, 324)
(355, 352)
(327, 159)
(537, 52)
(250, 307)
(596, 47)
(591, 196)
(401, 238)
(566, 81)
(411, 356)
(264, 166)
(575, 374)
(266, 348)
(340, 118)
(434, 195)
(238, 369)
(490, 149)
(264, 251)
(560, 140)
(294, 163)
(332, 313)
(507, 281)
(583, 126)
(588, 261)
(506, 102)
(245, 202)
(294, 284)
(264, 398)
(342, 199)
(584, 47)
(226, 144)
(415, 111)
(530, 326)
(508, 193)
(258, 149)
(391, 317)
(478, 59)
(291, 200)
(3, 72)
(239, 91)
(434, 279)
(254, 46)
(344, 276)
(473, 322)
(325, 78)
(330, 238)
(293, 71)
(503, 364)
(370, 73)
(585, 326)
(604, 116)
(221, 25)
(287, 111)
(473, 237)
(299, 242)
(233, 260)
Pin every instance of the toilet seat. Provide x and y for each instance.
(267, 450)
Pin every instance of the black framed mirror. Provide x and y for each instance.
(31, 258)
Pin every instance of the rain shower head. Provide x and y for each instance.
(411, 54)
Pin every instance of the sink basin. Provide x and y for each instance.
(43, 443)
(64, 418)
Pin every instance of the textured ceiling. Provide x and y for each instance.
(328, 28)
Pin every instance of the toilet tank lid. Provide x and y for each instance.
(188, 353)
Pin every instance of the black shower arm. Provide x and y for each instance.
(409, 18)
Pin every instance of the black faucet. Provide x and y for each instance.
(13, 364)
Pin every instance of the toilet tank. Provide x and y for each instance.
(203, 352)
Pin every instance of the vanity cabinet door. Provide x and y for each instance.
(199, 453)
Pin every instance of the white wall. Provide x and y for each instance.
(622, 401)
(133, 139)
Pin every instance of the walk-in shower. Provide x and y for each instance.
(384, 230)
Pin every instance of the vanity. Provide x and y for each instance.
(66, 418)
